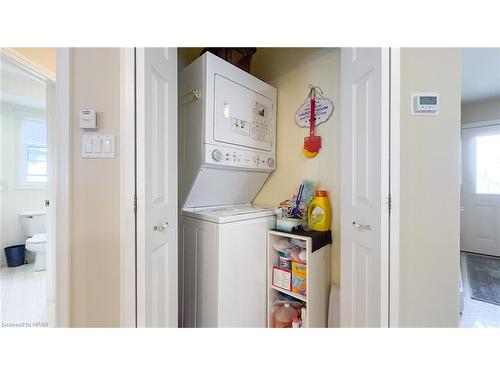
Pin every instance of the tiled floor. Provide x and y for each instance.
(477, 314)
(24, 298)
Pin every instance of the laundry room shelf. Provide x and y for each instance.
(319, 239)
(291, 294)
(317, 276)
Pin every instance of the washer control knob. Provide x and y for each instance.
(217, 155)
(270, 162)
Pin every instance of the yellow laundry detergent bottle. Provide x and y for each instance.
(319, 214)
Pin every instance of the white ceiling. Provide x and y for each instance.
(480, 74)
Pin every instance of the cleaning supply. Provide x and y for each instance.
(319, 212)
(295, 255)
(282, 278)
(299, 277)
(291, 214)
(284, 315)
(285, 261)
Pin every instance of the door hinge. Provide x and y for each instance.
(389, 203)
(135, 203)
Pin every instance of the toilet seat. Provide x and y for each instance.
(37, 239)
(37, 244)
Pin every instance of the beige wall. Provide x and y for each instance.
(430, 197)
(484, 110)
(95, 188)
(186, 56)
(290, 70)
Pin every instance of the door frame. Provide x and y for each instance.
(128, 228)
(62, 188)
(59, 186)
(394, 183)
(479, 124)
(128, 225)
(465, 126)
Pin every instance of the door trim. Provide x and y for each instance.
(480, 124)
(140, 126)
(394, 184)
(59, 188)
(62, 188)
(128, 311)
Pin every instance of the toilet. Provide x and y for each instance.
(34, 228)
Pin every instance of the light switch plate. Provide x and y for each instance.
(98, 146)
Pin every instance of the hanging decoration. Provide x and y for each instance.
(324, 108)
(316, 110)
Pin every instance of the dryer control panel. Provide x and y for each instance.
(237, 158)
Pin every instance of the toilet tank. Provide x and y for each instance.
(33, 222)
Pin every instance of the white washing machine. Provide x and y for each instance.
(227, 130)
(226, 249)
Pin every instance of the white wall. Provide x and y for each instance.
(430, 192)
(484, 110)
(21, 96)
(15, 198)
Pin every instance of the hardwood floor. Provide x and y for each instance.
(24, 298)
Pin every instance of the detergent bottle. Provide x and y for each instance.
(319, 213)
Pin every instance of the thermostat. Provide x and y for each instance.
(88, 119)
(424, 104)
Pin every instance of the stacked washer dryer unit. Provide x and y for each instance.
(227, 131)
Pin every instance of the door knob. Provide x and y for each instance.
(160, 227)
(361, 226)
(47, 203)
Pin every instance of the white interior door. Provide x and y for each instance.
(480, 193)
(157, 234)
(365, 187)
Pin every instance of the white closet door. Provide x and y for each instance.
(157, 233)
(480, 218)
(365, 186)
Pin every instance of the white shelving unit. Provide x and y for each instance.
(317, 280)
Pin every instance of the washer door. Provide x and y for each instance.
(242, 117)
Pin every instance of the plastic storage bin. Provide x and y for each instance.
(15, 255)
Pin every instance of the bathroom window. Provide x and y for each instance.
(488, 164)
(33, 151)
